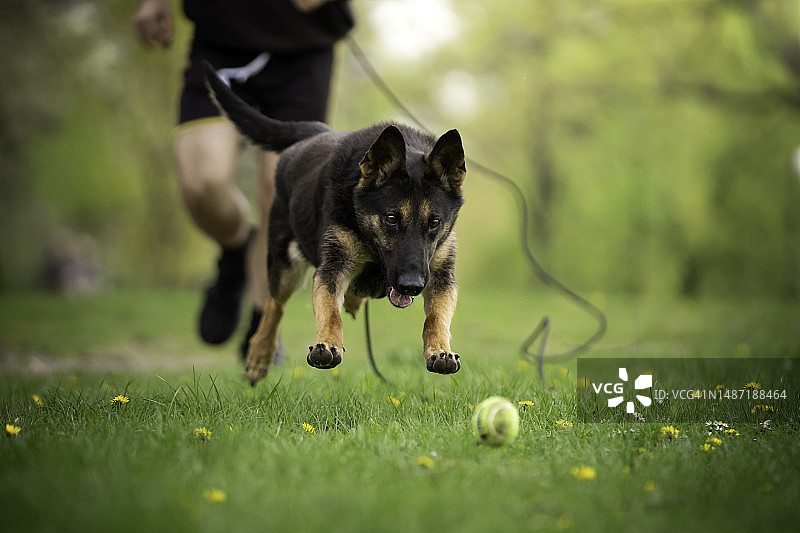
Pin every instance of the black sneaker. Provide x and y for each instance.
(254, 321)
(223, 300)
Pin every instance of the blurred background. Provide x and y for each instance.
(656, 141)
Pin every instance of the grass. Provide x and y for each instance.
(381, 457)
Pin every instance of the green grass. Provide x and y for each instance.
(83, 463)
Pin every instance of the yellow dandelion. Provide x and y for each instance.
(762, 409)
(564, 522)
(392, 400)
(202, 434)
(583, 472)
(525, 404)
(564, 423)
(37, 400)
(649, 486)
(670, 432)
(12, 430)
(714, 441)
(425, 461)
(753, 386)
(215, 495)
(523, 366)
(119, 400)
(732, 432)
(722, 388)
(706, 447)
(308, 428)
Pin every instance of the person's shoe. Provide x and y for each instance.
(223, 300)
(255, 319)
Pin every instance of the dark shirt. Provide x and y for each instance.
(267, 25)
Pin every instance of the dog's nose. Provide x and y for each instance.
(410, 284)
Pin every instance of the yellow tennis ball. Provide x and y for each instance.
(496, 421)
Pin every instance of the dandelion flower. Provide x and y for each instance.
(37, 400)
(12, 430)
(564, 423)
(119, 400)
(753, 386)
(425, 461)
(706, 447)
(583, 472)
(714, 441)
(308, 428)
(525, 404)
(732, 432)
(564, 522)
(649, 486)
(202, 434)
(215, 495)
(722, 388)
(392, 400)
(670, 432)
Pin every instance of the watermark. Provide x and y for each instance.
(666, 390)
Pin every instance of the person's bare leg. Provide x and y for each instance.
(257, 258)
(206, 153)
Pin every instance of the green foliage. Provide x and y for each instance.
(652, 139)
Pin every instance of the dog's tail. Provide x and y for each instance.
(268, 133)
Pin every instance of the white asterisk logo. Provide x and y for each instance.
(644, 381)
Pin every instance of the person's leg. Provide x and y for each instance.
(206, 152)
(257, 258)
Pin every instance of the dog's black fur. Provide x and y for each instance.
(373, 210)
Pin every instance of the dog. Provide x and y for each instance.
(373, 210)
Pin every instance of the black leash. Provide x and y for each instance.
(543, 328)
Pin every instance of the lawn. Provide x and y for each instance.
(194, 448)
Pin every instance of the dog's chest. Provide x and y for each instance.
(370, 282)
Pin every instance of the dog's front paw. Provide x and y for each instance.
(320, 356)
(444, 363)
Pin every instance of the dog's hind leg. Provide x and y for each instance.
(353, 304)
(285, 274)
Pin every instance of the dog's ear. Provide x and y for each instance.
(386, 156)
(446, 162)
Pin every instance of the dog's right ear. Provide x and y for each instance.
(386, 156)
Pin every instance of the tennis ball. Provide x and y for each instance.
(496, 421)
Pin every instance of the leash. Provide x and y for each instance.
(542, 330)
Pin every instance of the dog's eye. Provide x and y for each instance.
(391, 219)
(434, 223)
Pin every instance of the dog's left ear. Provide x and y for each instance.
(446, 162)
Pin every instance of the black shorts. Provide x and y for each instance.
(291, 86)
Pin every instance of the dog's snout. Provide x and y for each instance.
(411, 284)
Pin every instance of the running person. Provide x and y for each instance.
(278, 56)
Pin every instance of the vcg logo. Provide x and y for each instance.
(644, 381)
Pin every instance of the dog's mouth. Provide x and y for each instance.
(399, 300)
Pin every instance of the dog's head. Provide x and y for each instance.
(407, 202)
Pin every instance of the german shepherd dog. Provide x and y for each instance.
(373, 210)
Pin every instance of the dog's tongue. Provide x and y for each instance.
(399, 300)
